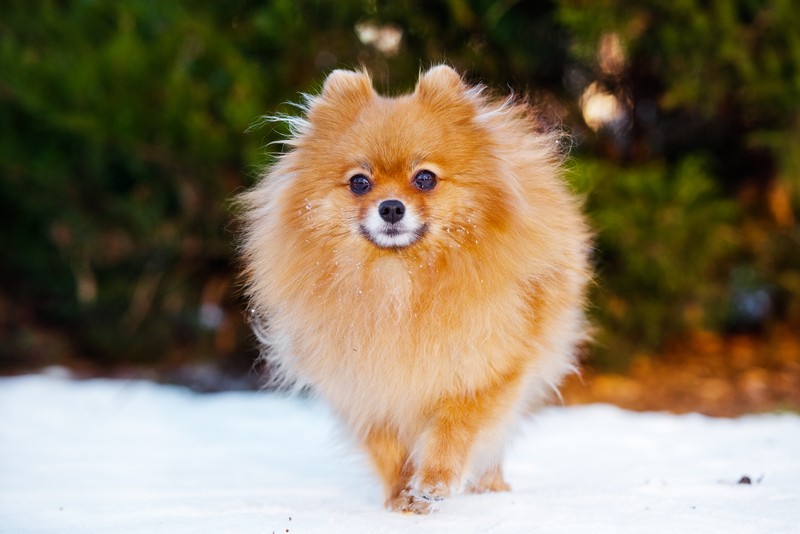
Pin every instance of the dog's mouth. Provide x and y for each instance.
(393, 225)
(393, 235)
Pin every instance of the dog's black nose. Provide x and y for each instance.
(391, 210)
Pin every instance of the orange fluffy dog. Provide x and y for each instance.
(420, 263)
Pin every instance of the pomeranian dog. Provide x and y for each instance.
(419, 262)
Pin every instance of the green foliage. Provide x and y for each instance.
(664, 235)
(124, 134)
(720, 78)
(705, 55)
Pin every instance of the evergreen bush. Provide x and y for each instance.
(124, 135)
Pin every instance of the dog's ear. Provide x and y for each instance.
(344, 94)
(347, 87)
(441, 85)
(440, 78)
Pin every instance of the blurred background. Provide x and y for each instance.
(125, 133)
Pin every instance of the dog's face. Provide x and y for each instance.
(396, 215)
(395, 173)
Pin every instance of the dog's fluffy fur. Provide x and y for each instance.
(432, 337)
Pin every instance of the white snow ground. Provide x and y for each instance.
(105, 456)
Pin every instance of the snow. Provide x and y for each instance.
(133, 456)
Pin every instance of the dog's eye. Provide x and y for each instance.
(359, 184)
(425, 180)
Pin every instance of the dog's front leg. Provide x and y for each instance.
(443, 455)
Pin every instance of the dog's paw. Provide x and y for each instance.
(488, 486)
(491, 481)
(411, 501)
